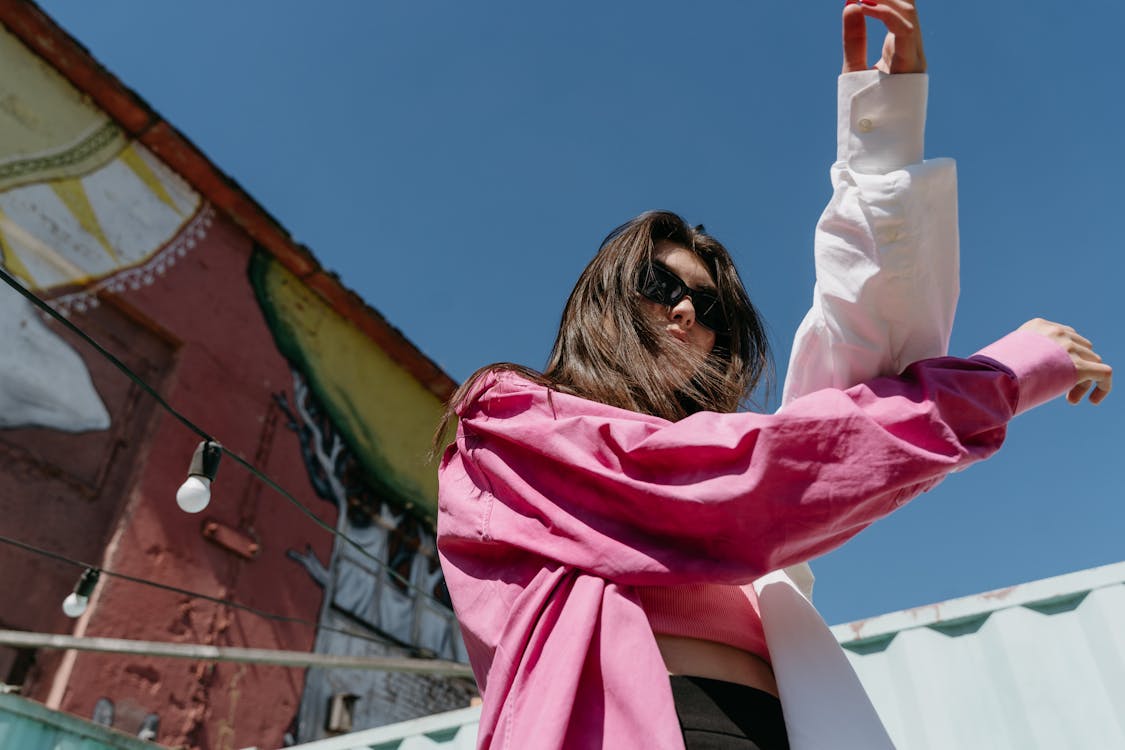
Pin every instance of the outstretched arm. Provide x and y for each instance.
(726, 497)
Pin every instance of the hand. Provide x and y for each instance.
(1091, 370)
(902, 49)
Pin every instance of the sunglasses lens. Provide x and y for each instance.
(709, 312)
(666, 288)
(662, 287)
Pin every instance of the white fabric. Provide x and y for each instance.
(886, 255)
(886, 246)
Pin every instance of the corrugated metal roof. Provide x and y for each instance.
(27, 725)
(1039, 665)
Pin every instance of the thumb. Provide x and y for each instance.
(855, 38)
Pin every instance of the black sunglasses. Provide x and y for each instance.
(662, 286)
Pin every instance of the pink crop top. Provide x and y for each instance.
(708, 611)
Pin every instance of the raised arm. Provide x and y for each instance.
(886, 249)
(886, 246)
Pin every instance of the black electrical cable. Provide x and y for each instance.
(65, 322)
(42, 305)
(184, 592)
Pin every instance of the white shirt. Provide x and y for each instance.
(887, 282)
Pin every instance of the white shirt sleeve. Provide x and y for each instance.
(886, 248)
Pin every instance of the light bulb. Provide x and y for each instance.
(75, 604)
(194, 494)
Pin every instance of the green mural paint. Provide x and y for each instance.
(405, 475)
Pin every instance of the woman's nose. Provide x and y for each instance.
(683, 312)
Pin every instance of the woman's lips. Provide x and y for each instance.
(677, 333)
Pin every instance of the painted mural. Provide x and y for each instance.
(400, 593)
(381, 411)
(83, 212)
(87, 215)
(363, 427)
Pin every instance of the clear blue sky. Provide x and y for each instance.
(457, 164)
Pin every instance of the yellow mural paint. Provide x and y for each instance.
(12, 262)
(48, 129)
(132, 159)
(386, 416)
(52, 136)
(73, 195)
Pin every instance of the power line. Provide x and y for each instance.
(275, 657)
(42, 305)
(185, 592)
(262, 476)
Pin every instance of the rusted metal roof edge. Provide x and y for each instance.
(74, 62)
(1046, 595)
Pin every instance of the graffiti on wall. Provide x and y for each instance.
(83, 211)
(396, 588)
(363, 425)
(393, 588)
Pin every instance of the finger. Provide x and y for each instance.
(1104, 386)
(1090, 370)
(855, 38)
(1083, 351)
(1073, 333)
(902, 49)
(902, 7)
(1076, 393)
(1091, 374)
(1101, 388)
(1083, 340)
(886, 59)
(897, 21)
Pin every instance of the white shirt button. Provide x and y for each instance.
(865, 125)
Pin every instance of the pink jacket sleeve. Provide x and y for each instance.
(725, 497)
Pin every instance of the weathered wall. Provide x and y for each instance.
(89, 466)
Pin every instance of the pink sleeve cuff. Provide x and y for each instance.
(1043, 368)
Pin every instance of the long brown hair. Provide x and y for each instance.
(608, 350)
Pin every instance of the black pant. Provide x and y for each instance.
(717, 715)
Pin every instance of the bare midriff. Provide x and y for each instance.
(717, 661)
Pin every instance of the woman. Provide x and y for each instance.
(559, 512)
(578, 507)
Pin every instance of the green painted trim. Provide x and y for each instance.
(57, 722)
(872, 645)
(961, 625)
(1058, 604)
(443, 735)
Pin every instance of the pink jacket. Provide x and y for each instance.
(552, 507)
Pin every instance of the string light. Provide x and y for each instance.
(195, 493)
(195, 594)
(69, 325)
(75, 604)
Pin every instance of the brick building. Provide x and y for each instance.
(111, 215)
